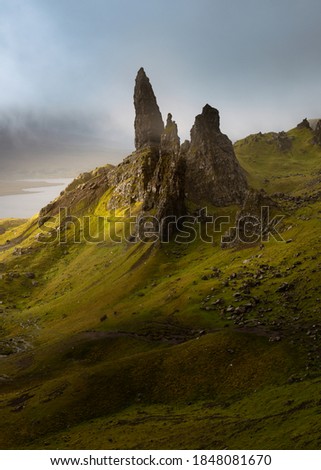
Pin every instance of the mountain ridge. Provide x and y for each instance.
(162, 175)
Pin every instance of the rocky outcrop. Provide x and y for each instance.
(83, 192)
(206, 127)
(213, 174)
(170, 142)
(313, 125)
(304, 124)
(149, 124)
(283, 141)
(317, 133)
(162, 174)
(130, 179)
(166, 189)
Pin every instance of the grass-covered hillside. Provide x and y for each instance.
(142, 346)
(281, 162)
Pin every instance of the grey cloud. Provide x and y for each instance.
(42, 142)
(75, 61)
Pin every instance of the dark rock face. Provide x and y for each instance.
(206, 126)
(152, 176)
(304, 124)
(130, 179)
(166, 190)
(170, 142)
(283, 141)
(280, 140)
(213, 173)
(317, 133)
(162, 174)
(149, 124)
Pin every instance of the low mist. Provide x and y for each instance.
(40, 144)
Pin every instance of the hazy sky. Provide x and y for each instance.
(257, 61)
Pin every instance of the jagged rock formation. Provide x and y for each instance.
(166, 188)
(283, 141)
(83, 192)
(149, 124)
(317, 133)
(304, 124)
(213, 173)
(315, 126)
(161, 174)
(170, 142)
(280, 140)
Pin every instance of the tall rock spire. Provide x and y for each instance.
(149, 124)
(170, 142)
(213, 173)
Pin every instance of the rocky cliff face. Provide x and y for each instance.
(162, 174)
(213, 173)
(304, 124)
(166, 188)
(149, 124)
(317, 133)
(315, 126)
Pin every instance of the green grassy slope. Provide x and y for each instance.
(132, 345)
(281, 168)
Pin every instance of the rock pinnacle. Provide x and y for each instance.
(149, 124)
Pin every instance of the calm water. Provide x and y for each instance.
(32, 200)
